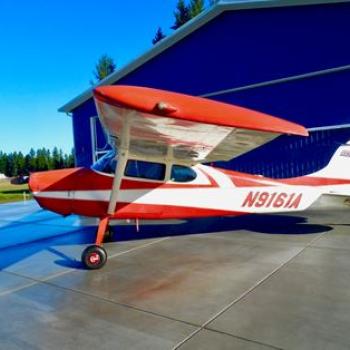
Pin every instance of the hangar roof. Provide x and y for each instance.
(188, 28)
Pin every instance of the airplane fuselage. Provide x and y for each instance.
(213, 192)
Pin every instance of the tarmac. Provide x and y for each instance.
(267, 282)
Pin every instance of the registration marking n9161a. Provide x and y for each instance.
(272, 200)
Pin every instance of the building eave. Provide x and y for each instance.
(185, 30)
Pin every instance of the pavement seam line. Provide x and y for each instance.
(248, 240)
(330, 248)
(47, 281)
(128, 306)
(139, 247)
(124, 305)
(14, 290)
(244, 294)
(43, 280)
(245, 339)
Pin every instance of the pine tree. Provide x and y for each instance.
(32, 161)
(41, 160)
(15, 163)
(3, 158)
(69, 160)
(182, 14)
(61, 159)
(196, 7)
(159, 36)
(104, 67)
(10, 166)
(20, 164)
(27, 164)
(55, 158)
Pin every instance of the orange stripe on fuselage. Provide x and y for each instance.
(314, 181)
(249, 180)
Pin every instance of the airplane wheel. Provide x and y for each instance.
(94, 257)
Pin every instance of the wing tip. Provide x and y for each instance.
(299, 130)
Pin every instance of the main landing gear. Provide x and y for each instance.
(95, 256)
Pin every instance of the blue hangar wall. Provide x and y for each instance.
(289, 61)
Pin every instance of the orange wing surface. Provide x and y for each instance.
(195, 129)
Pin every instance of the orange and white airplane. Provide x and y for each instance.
(156, 170)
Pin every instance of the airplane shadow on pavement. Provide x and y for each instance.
(50, 238)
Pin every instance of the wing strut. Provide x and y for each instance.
(95, 256)
(123, 152)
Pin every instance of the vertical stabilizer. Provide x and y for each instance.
(339, 165)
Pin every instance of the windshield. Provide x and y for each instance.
(180, 173)
(107, 163)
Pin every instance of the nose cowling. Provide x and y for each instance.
(51, 189)
(53, 180)
(34, 182)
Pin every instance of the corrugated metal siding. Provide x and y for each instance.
(290, 156)
(82, 133)
(240, 48)
(244, 47)
(317, 101)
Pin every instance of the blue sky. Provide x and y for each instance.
(48, 52)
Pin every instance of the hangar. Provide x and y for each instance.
(288, 58)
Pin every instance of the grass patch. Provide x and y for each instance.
(13, 193)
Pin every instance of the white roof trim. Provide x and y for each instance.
(182, 32)
(278, 81)
(329, 127)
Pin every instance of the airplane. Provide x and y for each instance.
(156, 168)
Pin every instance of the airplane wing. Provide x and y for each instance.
(150, 122)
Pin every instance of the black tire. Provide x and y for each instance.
(94, 257)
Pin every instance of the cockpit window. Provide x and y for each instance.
(145, 170)
(134, 168)
(180, 173)
(107, 163)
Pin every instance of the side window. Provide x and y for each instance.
(145, 170)
(180, 173)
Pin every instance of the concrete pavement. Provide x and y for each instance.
(257, 283)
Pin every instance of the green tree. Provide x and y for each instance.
(3, 157)
(48, 159)
(182, 14)
(32, 160)
(41, 160)
(20, 163)
(10, 166)
(55, 158)
(70, 159)
(27, 164)
(104, 67)
(196, 7)
(159, 36)
(61, 159)
(16, 163)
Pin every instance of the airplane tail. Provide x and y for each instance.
(336, 182)
(339, 165)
